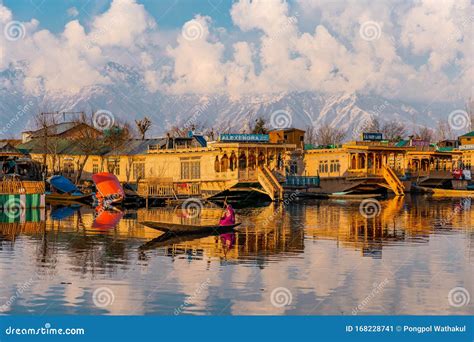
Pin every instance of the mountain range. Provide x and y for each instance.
(127, 97)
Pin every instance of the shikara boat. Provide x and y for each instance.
(65, 191)
(108, 187)
(444, 192)
(185, 228)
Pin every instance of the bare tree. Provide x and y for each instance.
(310, 137)
(392, 130)
(115, 138)
(45, 123)
(425, 134)
(444, 131)
(327, 135)
(88, 140)
(143, 126)
(260, 127)
(371, 126)
(470, 112)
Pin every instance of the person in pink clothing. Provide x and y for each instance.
(228, 217)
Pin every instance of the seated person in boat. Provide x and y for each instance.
(228, 217)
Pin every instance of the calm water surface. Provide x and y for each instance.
(308, 257)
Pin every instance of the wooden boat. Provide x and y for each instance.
(65, 191)
(108, 187)
(444, 192)
(185, 228)
(55, 197)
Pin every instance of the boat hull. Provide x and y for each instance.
(445, 192)
(185, 229)
(67, 197)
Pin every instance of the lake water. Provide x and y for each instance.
(409, 256)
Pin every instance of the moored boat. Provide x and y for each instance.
(436, 192)
(109, 189)
(64, 190)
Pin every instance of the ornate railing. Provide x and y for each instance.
(14, 187)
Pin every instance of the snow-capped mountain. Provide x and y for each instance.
(127, 97)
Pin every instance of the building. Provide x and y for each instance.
(288, 136)
(466, 146)
(64, 130)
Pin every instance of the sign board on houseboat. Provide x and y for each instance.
(372, 136)
(244, 137)
(466, 147)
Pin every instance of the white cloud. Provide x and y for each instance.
(270, 49)
(73, 12)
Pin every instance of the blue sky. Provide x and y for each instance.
(169, 14)
(398, 49)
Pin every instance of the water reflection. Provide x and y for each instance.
(328, 254)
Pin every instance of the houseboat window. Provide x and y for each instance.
(224, 163)
(113, 166)
(261, 159)
(95, 168)
(217, 165)
(233, 161)
(242, 161)
(252, 161)
(139, 170)
(190, 169)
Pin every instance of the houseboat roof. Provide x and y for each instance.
(62, 146)
(54, 129)
(470, 134)
(138, 146)
(7, 149)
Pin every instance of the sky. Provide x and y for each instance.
(416, 50)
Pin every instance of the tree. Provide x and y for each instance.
(309, 136)
(444, 131)
(391, 130)
(143, 126)
(425, 134)
(327, 135)
(371, 126)
(115, 138)
(49, 143)
(88, 140)
(260, 127)
(470, 112)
